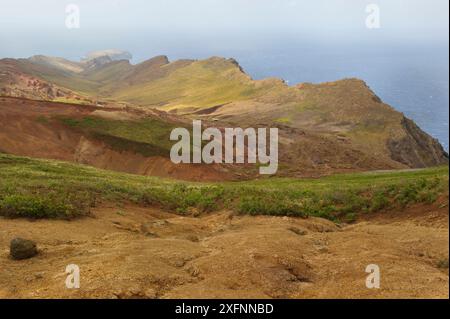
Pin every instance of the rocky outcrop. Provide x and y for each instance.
(416, 149)
(112, 54)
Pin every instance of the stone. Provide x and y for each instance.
(192, 238)
(145, 229)
(22, 248)
(160, 223)
(298, 231)
(150, 294)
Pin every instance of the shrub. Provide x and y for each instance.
(180, 198)
(379, 201)
(35, 206)
(443, 264)
(255, 205)
(350, 217)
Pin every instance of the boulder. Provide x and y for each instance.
(22, 248)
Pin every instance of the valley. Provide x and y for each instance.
(86, 174)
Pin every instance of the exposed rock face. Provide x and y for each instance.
(417, 149)
(16, 81)
(99, 58)
(97, 62)
(22, 249)
(113, 54)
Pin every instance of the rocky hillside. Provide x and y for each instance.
(324, 128)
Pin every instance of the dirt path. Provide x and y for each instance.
(133, 252)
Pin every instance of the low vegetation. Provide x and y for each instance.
(203, 84)
(51, 189)
(34, 206)
(146, 136)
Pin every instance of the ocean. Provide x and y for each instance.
(414, 81)
(411, 76)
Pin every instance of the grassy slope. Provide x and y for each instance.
(147, 136)
(44, 188)
(346, 107)
(200, 84)
(68, 80)
(217, 81)
(113, 71)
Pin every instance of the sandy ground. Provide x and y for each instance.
(132, 252)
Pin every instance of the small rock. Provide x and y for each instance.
(36, 276)
(179, 263)
(193, 271)
(193, 211)
(29, 279)
(22, 248)
(192, 238)
(134, 291)
(145, 229)
(298, 231)
(39, 275)
(150, 293)
(160, 223)
(118, 294)
(131, 293)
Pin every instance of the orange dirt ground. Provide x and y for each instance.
(133, 252)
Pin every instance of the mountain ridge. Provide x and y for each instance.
(325, 128)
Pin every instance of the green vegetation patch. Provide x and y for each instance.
(52, 189)
(284, 120)
(41, 206)
(200, 84)
(148, 136)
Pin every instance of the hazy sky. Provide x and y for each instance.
(190, 27)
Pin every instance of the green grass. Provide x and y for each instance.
(108, 73)
(148, 136)
(204, 83)
(49, 206)
(52, 189)
(283, 120)
(70, 101)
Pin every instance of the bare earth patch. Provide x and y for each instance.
(132, 252)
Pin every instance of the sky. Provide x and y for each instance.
(186, 28)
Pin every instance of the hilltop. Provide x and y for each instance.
(325, 128)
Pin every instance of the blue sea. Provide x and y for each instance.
(405, 61)
(414, 81)
(411, 77)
